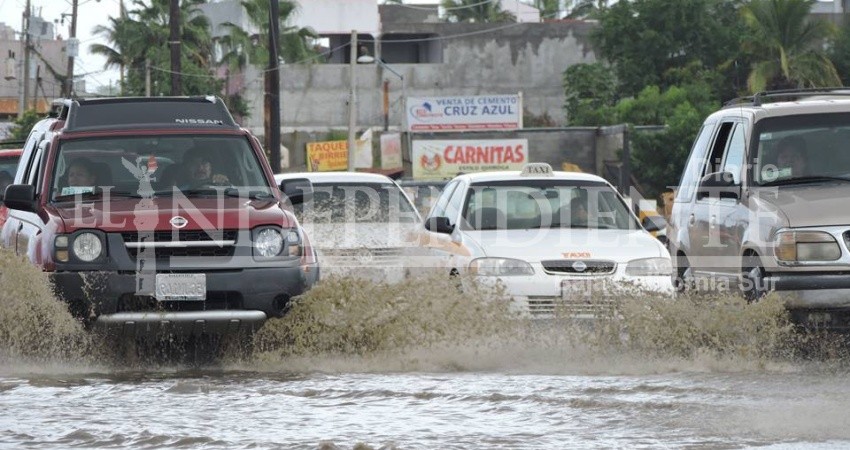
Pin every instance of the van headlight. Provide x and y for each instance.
(87, 247)
(806, 246)
(500, 267)
(649, 267)
(268, 243)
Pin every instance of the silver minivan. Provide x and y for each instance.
(762, 204)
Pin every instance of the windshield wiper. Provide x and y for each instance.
(252, 195)
(802, 180)
(95, 194)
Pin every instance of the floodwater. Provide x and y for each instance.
(362, 366)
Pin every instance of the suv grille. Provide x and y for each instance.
(573, 266)
(184, 235)
(215, 301)
(195, 236)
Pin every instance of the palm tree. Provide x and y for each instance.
(479, 11)
(787, 46)
(142, 35)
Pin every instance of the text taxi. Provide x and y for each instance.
(557, 241)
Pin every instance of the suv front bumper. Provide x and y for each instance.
(245, 295)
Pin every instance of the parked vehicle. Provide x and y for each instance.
(557, 241)
(423, 193)
(8, 166)
(365, 225)
(761, 205)
(157, 214)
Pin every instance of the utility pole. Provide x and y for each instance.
(352, 100)
(147, 77)
(25, 28)
(273, 93)
(68, 91)
(174, 42)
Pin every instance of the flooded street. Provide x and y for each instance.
(423, 365)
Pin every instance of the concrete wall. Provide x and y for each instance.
(480, 59)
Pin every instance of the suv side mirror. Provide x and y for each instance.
(20, 197)
(654, 223)
(298, 190)
(439, 225)
(720, 184)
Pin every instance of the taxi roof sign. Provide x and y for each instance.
(537, 169)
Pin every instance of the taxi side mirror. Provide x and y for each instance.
(439, 225)
(298, 190)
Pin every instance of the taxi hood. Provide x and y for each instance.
(155, 214)
(535, 245)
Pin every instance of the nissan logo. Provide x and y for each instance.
(579, 266)
(178, 222)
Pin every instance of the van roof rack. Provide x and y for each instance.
(789, 94)
(114, 113)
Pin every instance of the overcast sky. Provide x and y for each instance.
(90, 13)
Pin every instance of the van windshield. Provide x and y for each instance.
(805, 148)
(158, 166)
(520, 204)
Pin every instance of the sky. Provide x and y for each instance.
(90, 13)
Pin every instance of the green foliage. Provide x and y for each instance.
(839, 52)
(590, 91)
(647, 40)
(476, 11)
(24, 124)
(787, 44)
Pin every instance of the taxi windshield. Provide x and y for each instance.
(356, 202)
(529, 204)
(802, 149)
(154, 166)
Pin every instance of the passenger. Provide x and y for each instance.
(578, 213)
(81, 173)
(791, 154)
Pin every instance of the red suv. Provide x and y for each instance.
(152, 213)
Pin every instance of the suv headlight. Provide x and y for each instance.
(268, 243)
(87, 247)
(500, 267)
(649, 267)
(805, 246)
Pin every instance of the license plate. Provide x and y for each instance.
(181, 286)
(572, 290)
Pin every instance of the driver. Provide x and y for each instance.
(199, 170)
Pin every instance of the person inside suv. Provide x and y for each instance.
(791, 154)
(196, 171)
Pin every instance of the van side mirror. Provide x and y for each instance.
(298, 190)
(719, 184)
(439, 225)
(20, 197)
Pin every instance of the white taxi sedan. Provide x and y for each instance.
(553, 239)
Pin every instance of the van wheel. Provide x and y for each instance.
(753, 286)
(684, 280)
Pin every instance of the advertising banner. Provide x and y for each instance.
(390, 151)
(447, 159)
(327, 156)
(464, 113)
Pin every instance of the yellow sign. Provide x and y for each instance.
(327, 156)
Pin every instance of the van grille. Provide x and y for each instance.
(573, 266)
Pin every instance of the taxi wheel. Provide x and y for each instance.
(753, 286)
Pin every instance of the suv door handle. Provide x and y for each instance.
(692, 219)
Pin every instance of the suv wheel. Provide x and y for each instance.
(753, 286)
(684, 280)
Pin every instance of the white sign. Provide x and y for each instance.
(391, 151)
(447, 159)
(467, 113)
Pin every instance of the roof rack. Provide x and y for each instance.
(143, 112)
(758, 98)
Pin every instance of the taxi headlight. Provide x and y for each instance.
(87, 247)
(649, 267)
(804, 246)
(268, 243)
(500, 267)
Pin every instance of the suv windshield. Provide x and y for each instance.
(356, 202)
(192, 165)
(800, 149)
(545, 204)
